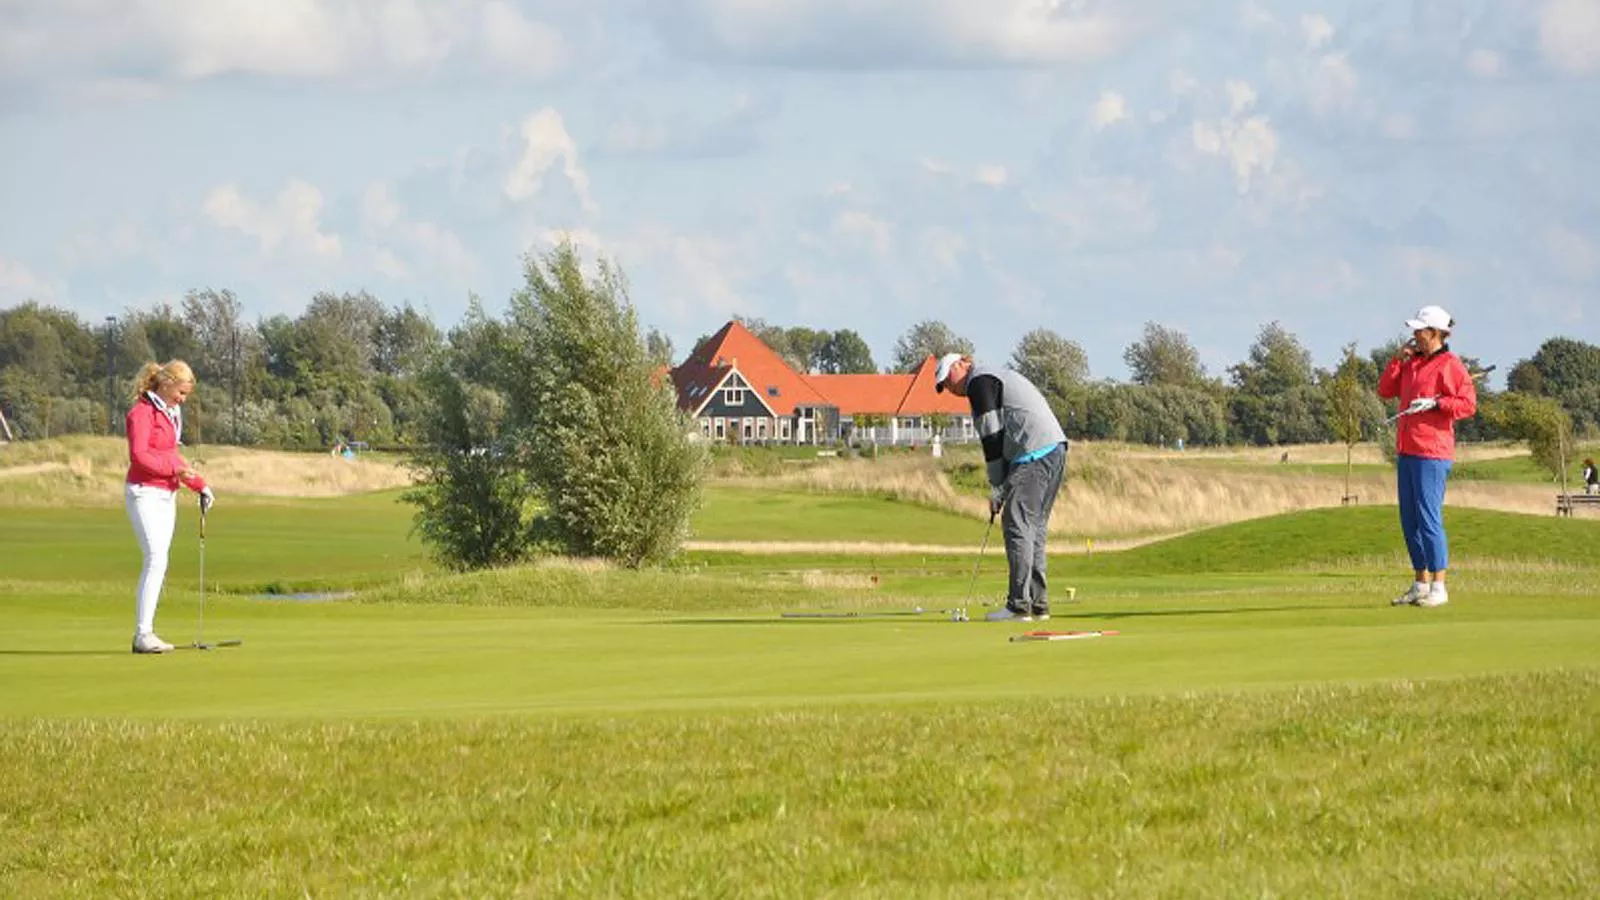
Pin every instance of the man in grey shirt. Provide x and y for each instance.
(1025, 453)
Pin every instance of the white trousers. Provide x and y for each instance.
(154, 513)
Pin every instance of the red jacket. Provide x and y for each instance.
(153, 449)
(1443, 376)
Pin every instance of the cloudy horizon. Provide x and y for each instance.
(1076, 165)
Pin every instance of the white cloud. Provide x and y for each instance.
(386, 224)
(360, 40)
(290, 221)
(1317, 30)
(1574, 254)
(18, 282)
(1333, 85)
(1241, 96)
(1181, 83)
(1484, 63)
(518, 45)
(886, 34)
(1250, 146)
(984, 174)
(944, 246)
(1569, 35)
(545, 142)
(859, 228)
(1109, 109)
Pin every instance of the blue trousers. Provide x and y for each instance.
(1421, 482)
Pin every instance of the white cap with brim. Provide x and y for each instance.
(1431, 317)
(943, 370)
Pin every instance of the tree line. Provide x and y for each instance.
(350, 367)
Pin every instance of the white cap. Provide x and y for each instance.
(943, 370)
(1431, 317)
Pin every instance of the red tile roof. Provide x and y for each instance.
(735, 347)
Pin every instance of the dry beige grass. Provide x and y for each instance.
(1118, 494)
(84, 470)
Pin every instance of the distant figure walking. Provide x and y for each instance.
(1591, 478)
(1435, 391)
(155, 470)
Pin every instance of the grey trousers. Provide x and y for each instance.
(1031, 490)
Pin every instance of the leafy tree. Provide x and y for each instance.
(845, 353)
(1164, 356)
(602, 438)
(1352, 407)
(927, 338)
(1541, 422)
(658, 347)
(1055, 365)
(472, 495)
(405, 342)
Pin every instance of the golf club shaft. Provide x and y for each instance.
(200, 629)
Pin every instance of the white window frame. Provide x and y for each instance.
(785, 431)
(733, 397)
(761, 429)
(721, 428)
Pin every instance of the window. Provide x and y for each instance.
(722, 429)
(772, 391)
(761, 429)
(733, 396)
(705, 428)
(784, 429)
(744, 430)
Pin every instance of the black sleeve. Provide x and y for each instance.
(984, 396)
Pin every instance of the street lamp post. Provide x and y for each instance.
(111, 375)
(233, 382)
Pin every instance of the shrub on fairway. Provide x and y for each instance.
(471, 495)
(601, 435)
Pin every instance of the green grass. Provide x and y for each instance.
(1472, 788)
(1264, 724)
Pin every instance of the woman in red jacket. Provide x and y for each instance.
(155, 470)
(1434, 390)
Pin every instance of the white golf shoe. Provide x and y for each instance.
(1413, 595)
(1436, 596)
(149, 643)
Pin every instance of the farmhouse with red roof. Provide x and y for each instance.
(740, 391)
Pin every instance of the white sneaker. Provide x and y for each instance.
(1436, 596)
(1413, 595)
(149, 643)
(1007, 614)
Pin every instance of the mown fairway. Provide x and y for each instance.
(1264, 724)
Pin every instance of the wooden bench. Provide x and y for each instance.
(1566, 503)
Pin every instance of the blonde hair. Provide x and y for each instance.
(153, 375)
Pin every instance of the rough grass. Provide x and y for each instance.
(1474, 788)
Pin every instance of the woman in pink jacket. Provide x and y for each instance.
(1434, 390)
(155, 470)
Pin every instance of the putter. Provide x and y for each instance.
(200, 631)
(973, 581)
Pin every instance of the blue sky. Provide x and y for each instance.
(1078, 165)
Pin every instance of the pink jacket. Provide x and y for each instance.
(1443, 376)
(153, 455)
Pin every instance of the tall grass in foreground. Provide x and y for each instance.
(1473, 788)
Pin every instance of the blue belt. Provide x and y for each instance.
(1033, 455)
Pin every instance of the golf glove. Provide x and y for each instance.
(997, 499)
(1422, 404)
(206, 499)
